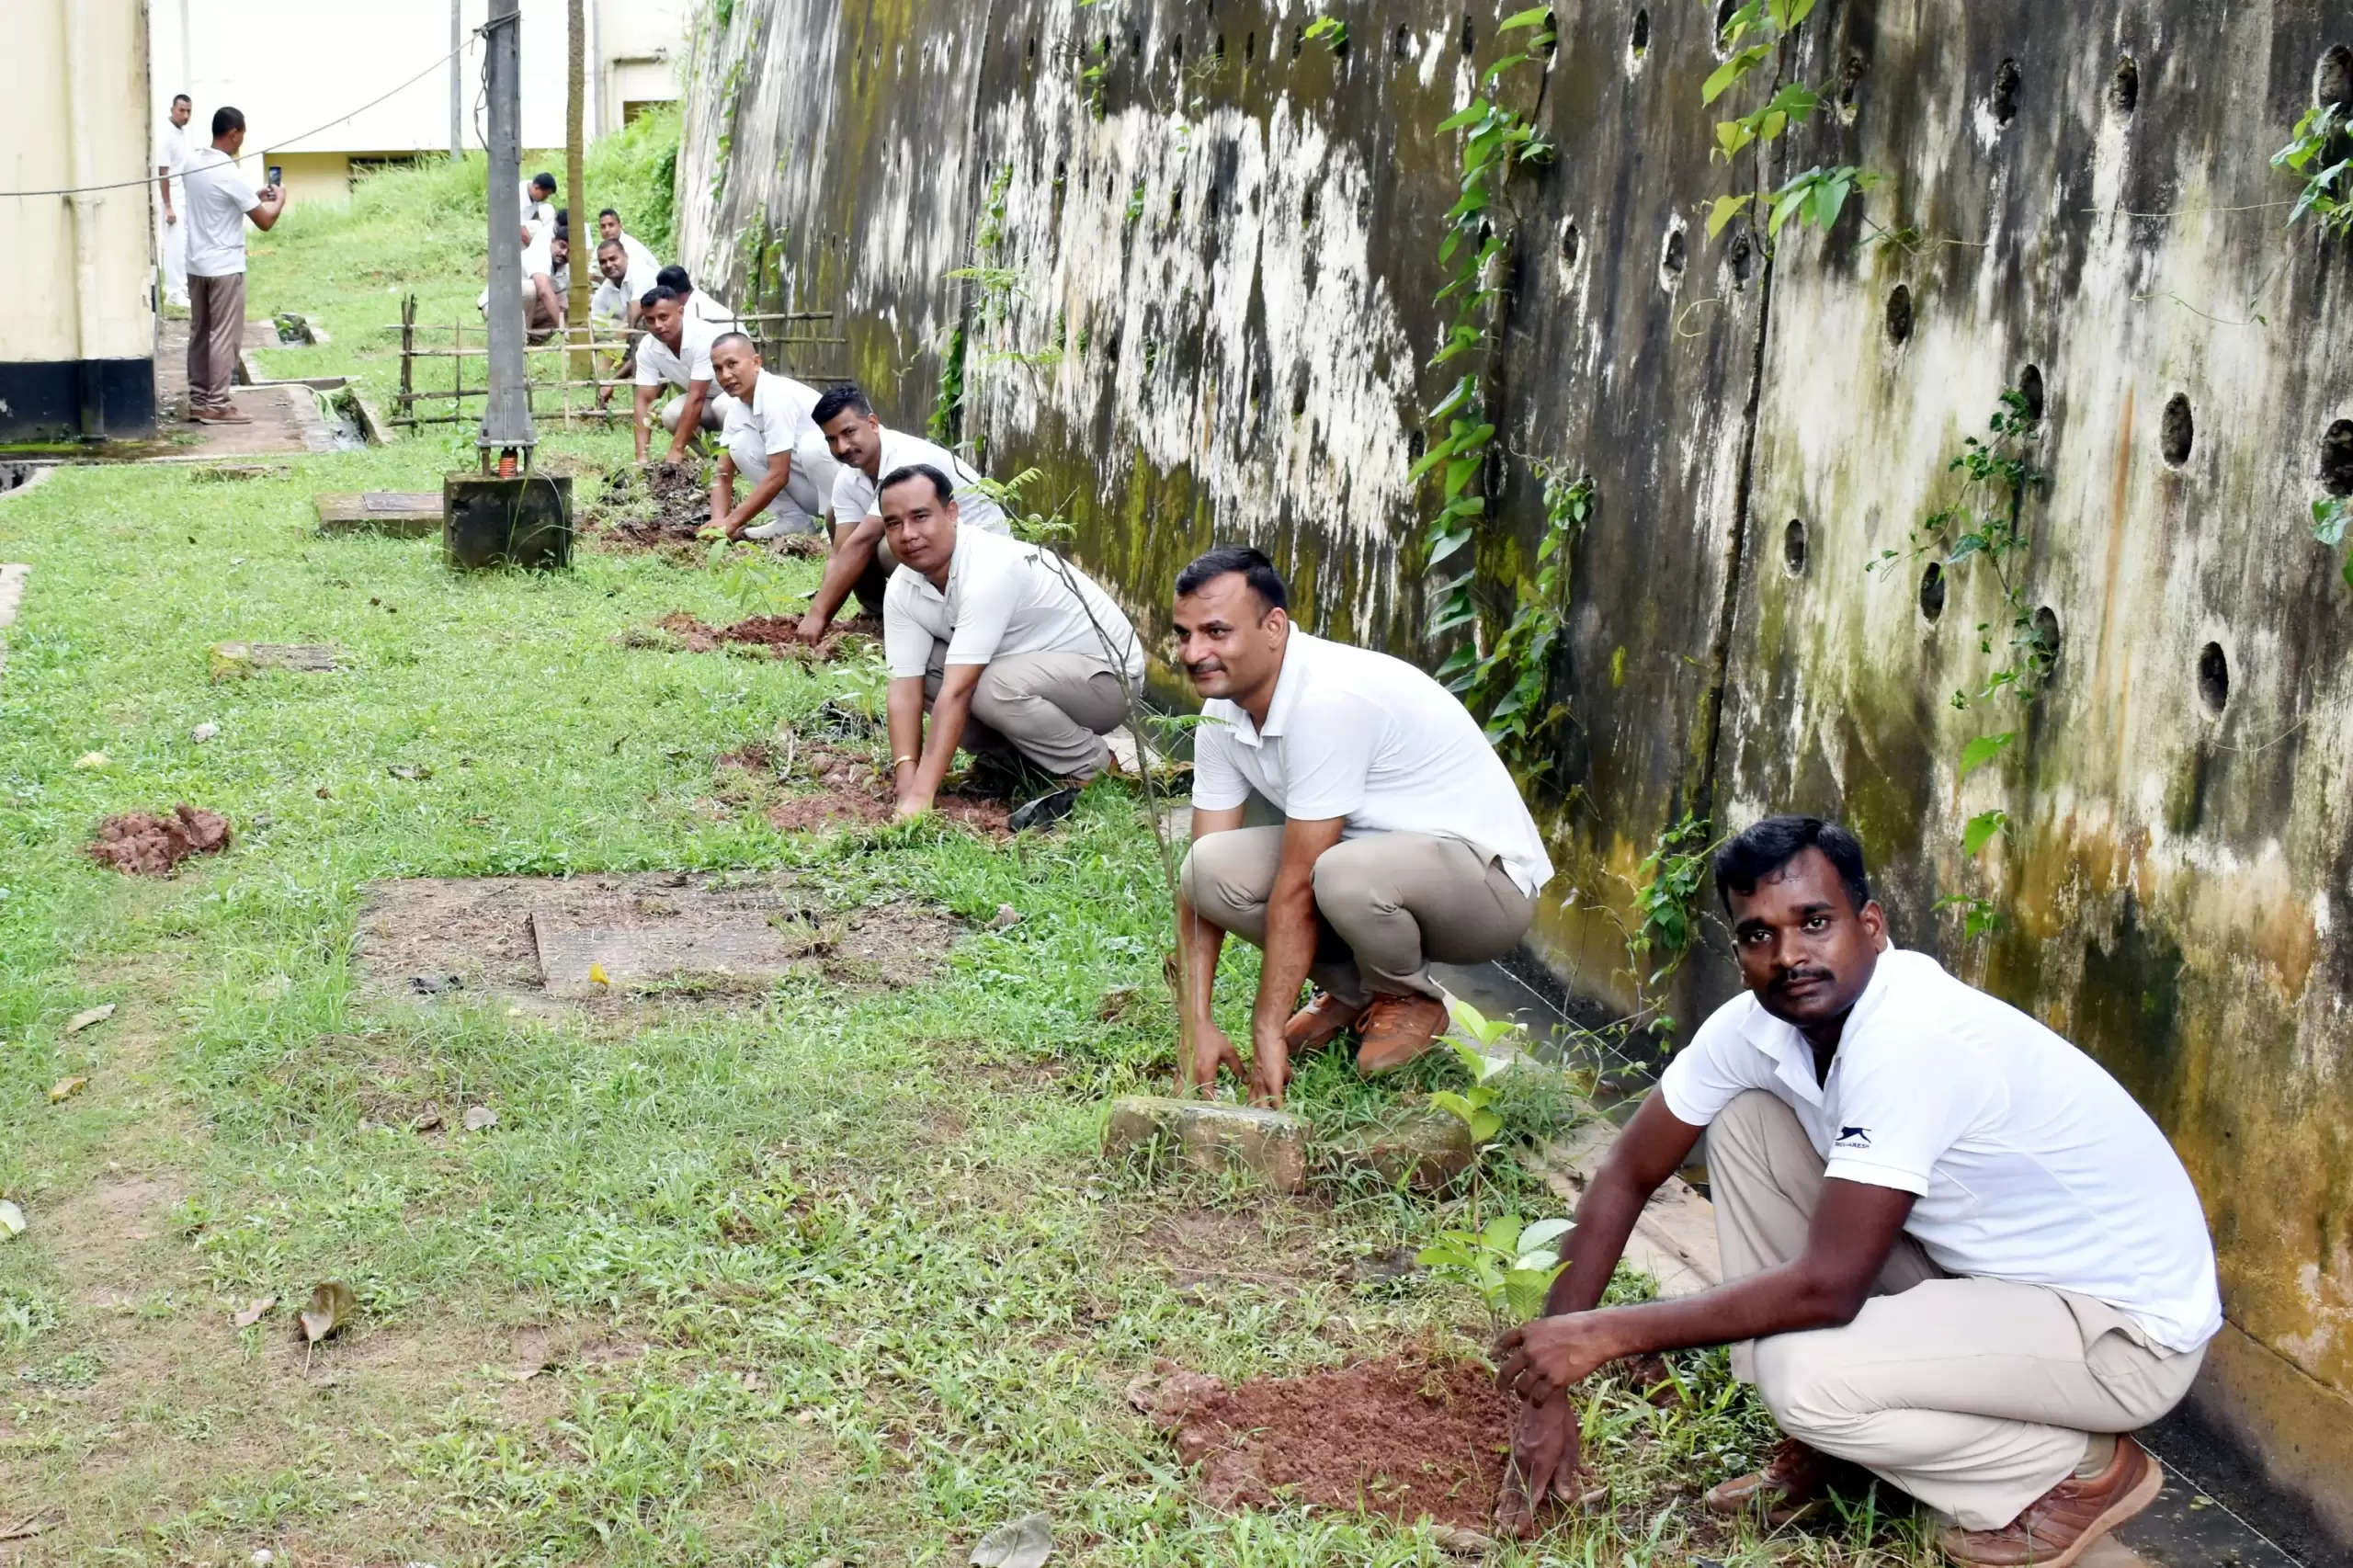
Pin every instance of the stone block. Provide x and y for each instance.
(525, 521)
(234, 661)
(1425, 1150)
(401, 514)
(1213, 1138)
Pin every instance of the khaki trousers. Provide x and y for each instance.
(1051, 708)
(216, 325)
(1386, 905)
(1976, 1396)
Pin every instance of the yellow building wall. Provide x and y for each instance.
(314, 178)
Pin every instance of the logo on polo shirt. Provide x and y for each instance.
(1854, 1138)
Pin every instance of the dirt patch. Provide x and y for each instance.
(143, 845)
(778, 633)
(644, 509)
(654, 936)
(847, 790)
(1401, 1438)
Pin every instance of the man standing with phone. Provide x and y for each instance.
(218, 201)
(171, 161)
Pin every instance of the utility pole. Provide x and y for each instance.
(457, 79)
(582, 365)
(507, 418)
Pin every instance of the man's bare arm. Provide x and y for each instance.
(644, 422)
(904, 705)
(949, 712)
(689, 419)
(1290, 952)
(1203, 943)
(852, 553)
(770, 486)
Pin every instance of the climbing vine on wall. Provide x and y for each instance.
(1983, 526)
(2320, 153)
(1505, 672)
(1752, 35)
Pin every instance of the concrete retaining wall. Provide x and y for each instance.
(1209, 245)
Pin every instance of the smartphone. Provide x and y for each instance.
(277, 174)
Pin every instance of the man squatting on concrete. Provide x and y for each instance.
(1956, 1252)
(1008, 647)
(771, 442)
(1405, 839)
(861, 560)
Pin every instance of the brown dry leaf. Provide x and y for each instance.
(255, 1311)
(1115, 1003)
(67, 1088)
(428, 1121)
(1006, 917)
(84, 1019)
(333, 1306)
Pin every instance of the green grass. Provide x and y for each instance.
(819, 1274)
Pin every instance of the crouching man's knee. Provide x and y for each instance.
(1801, 1381)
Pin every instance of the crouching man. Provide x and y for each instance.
(1011, 649)
(1956, 1253)
(675, 353)
(772, 443)
(1405, 840)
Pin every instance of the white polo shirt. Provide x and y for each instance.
(1003, 598)
(1357, 734)
(214, 199)
(702, 307)
(2031, 1163)
(777, 412)
(172, 152)
(640, 258)
(658, 365)
(611, 300)
(857, 497)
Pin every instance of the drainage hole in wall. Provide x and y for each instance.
(2030, 393)
(2045, 650)
(2214, 678)
(1672, 255)
(2007, 79)
(1850, 83)
(2124, 86)
(1742, 256)
(1135, 45)
(2333, 78)
(1725, 11)
(1899, 315)
(1572, 244)
(1552, 34)
(1249, 48)
(1033, 52)
(1793, 548)
(1932, 591)
(1639, 40)
(1470, 37)
(1403, 44)
(1298, 400)
(2337, 458)
(2177, 431)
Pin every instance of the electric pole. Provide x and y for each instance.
(506, 417)
(584, 231)
(457, 79)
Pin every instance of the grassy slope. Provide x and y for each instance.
(833, 1275)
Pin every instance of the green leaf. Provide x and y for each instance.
(1782, 209)
(1531, 17)
(1454, 1105)
(1981, 830)
(1545, 1233)
(1463, 116)
(1828, 199)
(1983, 750)
(1485, 1125)
(1502, 1235)
(1465, 391)
(1445, 546)
(1430, 460)
(1525, 1290)
(1724, 210)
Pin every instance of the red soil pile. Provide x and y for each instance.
(147, 846)
(850, 793)
(774, 632)
(1397, 1437)
(666, 504)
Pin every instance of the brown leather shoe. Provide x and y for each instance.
(2060, 1525)
(1324, 1019)
(1793, 1482)
(1395, 1029)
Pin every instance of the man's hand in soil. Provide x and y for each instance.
(1211, 1051)
(1542, 1359)
(1269, 1066)
(1543, 1464)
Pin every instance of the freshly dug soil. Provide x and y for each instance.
(849, 793)
(1401, 1438)
(665, 504)
(147, 846)
(774, 632)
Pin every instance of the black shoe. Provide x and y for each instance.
(1045, 810)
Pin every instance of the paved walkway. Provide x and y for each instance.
(286, 419)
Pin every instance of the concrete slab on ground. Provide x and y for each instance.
(1213, 1138)
(729, 946)
(401, 514)
(12, 594)
(286, 418)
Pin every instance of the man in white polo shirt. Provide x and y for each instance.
(772, 444)
(1010, 647)
(1405, 840)
(218, 201)
(640, 260)
(1956, 1252)
(675, 352)
(862, 562)
(171, 161)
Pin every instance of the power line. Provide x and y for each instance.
(275, 146)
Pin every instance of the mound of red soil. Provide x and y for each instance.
(774, 632)
(1398, 1437)
(147, 846)
(851, 793)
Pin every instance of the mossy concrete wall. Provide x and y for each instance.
(1203, 248)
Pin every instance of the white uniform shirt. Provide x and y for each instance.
(611, 300)
(658, 365)
(1003, 598)
(214, 200)
(778, 411)
(172, 152)
(640, 258)
(702, 307)
(857, 497)
(1358, 736)
(2031, 1163)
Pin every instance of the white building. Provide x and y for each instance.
(299, 68)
